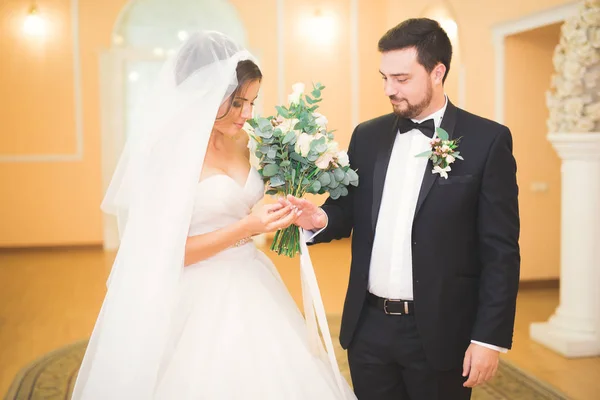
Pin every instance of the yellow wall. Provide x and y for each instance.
(45, 203)
(58, 203)
(528, 71)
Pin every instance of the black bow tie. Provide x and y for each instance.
(426, 127)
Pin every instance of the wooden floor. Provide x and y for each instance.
(50, 298)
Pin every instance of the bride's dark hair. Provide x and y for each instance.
(247, 72)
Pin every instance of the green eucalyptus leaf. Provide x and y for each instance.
(346, 180)
(427, 153)
(270, 170)
(339, 174)
(264, 125)
(353, 175)
(325, 179)
(276, 181)
(335, 193)
(252, 122)
(288, 138)
(282, 111)
(297, 157)
(267, 135)
(442, 134)
(321, 148)
(264, 149)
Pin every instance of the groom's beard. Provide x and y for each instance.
(412, 111)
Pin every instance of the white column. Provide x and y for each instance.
(574, 329)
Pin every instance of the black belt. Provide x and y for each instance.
(392, 306)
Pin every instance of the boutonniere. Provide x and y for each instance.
(443, 153)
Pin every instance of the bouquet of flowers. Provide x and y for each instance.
(297, 155)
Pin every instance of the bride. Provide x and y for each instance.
(193, 310)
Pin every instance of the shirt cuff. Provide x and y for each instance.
(309, 236)
(490, 346)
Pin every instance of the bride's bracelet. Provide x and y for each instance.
(242, 242)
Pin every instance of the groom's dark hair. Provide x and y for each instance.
(426, 36)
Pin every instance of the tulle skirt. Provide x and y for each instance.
(238, 334)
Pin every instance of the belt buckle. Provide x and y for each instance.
(385, 309)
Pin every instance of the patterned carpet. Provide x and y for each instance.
(52, 377)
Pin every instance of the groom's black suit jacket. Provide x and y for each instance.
(465, 233)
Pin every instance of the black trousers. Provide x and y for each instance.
(387, 362)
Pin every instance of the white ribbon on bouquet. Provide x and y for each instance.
(314, 312)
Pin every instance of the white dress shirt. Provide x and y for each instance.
(390, 272)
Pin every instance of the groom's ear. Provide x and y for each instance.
(438, 74)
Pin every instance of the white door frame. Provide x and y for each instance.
(501, 31)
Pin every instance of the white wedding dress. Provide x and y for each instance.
(237, 333)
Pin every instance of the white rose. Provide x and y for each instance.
(585, 125)
(595, 37)
(587, 98)
(573, 69)
(591, 79)
(297, 91)
(587, 54)
(555, 81)
(252, 144)
(294, 98)
(288, 125)
(570, 88)
(558, 59)
(574, 106)
(551, 101)
(342, 159)
(248, 128)
(593, 110)
(568, 30)
(332, 147)
(591, 16)
(298, 87)
(321, 120)
(551, 125)
(303, 144)
(450, 159)
(578, 37)
(324, 160)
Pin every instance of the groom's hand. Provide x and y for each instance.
(312, 217)
(480, 365)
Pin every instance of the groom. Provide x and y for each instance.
(435, 259)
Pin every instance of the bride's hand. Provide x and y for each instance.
(271, 217)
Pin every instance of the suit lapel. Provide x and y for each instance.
(448, 124)
(381, 165)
